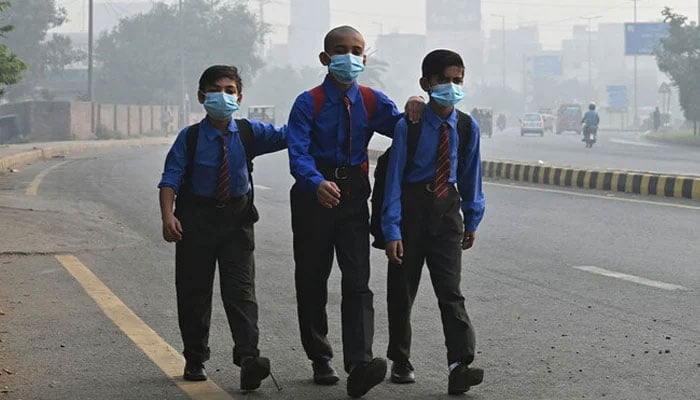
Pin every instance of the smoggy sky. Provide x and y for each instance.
(555, 18)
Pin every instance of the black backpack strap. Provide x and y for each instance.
(245, 130)
(191, 138)
(412, 140)
(464, 129)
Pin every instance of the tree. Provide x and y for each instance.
(138, 62)
(679, 57)
(32, 19)
(11, 66)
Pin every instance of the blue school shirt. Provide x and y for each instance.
(423, 170)
(207, 159)
(323, 140)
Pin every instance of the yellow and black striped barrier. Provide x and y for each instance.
(644, 183)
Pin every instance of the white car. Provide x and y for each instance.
(532, 123)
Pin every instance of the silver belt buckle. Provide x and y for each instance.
(430, 187)
(340, 173)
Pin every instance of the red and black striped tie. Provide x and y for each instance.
(442, 168)
(222, 193)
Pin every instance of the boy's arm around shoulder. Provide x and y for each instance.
(469, 182)
(396, 165)
(268, 138)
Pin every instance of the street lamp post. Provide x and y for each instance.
(590, 75)
(503, 48)
(91, 89)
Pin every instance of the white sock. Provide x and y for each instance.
(453, 366)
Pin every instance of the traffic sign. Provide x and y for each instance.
(617, 96)
(642, 38)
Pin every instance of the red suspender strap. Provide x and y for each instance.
(319, 96)
(369, 99)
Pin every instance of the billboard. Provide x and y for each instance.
(547, 65)
(641, 38)
(617, 96)
(453, 15)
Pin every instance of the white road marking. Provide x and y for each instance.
(631, 278)
(635, 143)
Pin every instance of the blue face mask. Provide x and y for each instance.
(220, 105)
(346, 67)
(447, 94)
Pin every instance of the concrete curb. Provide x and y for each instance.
(45, 151)
(636, 182)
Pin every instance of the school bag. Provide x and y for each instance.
(245, 130)
(464, 128)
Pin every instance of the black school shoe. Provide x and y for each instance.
(253, 371)
(324, 374)
(364, 377)
(194, 372)
(402, 372)
(462, 378)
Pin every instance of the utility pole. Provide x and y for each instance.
(91, 90)
(590, 28)
(183, 119)
(503, 50)
(636, 116)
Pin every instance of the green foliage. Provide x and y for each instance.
(32, 19)
(11, 67)
(104, 133)
(138, 62)
(679, 57)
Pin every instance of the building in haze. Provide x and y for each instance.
(309, 21)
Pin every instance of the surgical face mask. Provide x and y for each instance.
(346, 67)
(447, 94)
(220, 105)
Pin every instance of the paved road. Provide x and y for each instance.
(548, 325)
(614, 150)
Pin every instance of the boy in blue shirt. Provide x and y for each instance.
(329, 130)
(421, 220)
(208, 170)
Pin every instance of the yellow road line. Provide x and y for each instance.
(572, 193)
(34, 185)
(157, 349)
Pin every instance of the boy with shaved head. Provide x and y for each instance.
(330, 127)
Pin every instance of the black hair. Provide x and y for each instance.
(340, 30)
(437, 60)
(216, 72)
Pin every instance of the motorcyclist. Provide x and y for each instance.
(590, 122)
(501, 121)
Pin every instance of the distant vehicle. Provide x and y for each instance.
(262, 113)
(589, 135)
(569, 118)
(484, 117)
(548, 118)
(532, 123)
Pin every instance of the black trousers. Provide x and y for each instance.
(212, 235)
(432, 231)
(320, 232)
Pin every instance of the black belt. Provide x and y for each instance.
(341, 173)
(428, 187)
(210, 201)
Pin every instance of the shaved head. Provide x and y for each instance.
(335, 33)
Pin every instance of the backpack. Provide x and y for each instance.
(464, 128)
(245, 130)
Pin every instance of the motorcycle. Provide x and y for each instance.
(501, 122)
(590, 134)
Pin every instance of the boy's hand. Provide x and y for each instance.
(414, 108)
(394, 251)
(468, 240)
(328, 194)
(172, 229)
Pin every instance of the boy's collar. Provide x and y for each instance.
(435, 120)
(334, 93)
(210, 131)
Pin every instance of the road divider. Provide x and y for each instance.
(636, 182)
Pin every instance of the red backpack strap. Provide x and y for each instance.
(319, 96)
(370, 101)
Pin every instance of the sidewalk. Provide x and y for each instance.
(14, 156)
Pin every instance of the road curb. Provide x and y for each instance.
(636, 182)
(45, 151)
(643, 183)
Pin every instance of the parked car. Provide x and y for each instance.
(532, 123)
(569, 118)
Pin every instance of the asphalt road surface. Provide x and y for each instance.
(574, 294)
